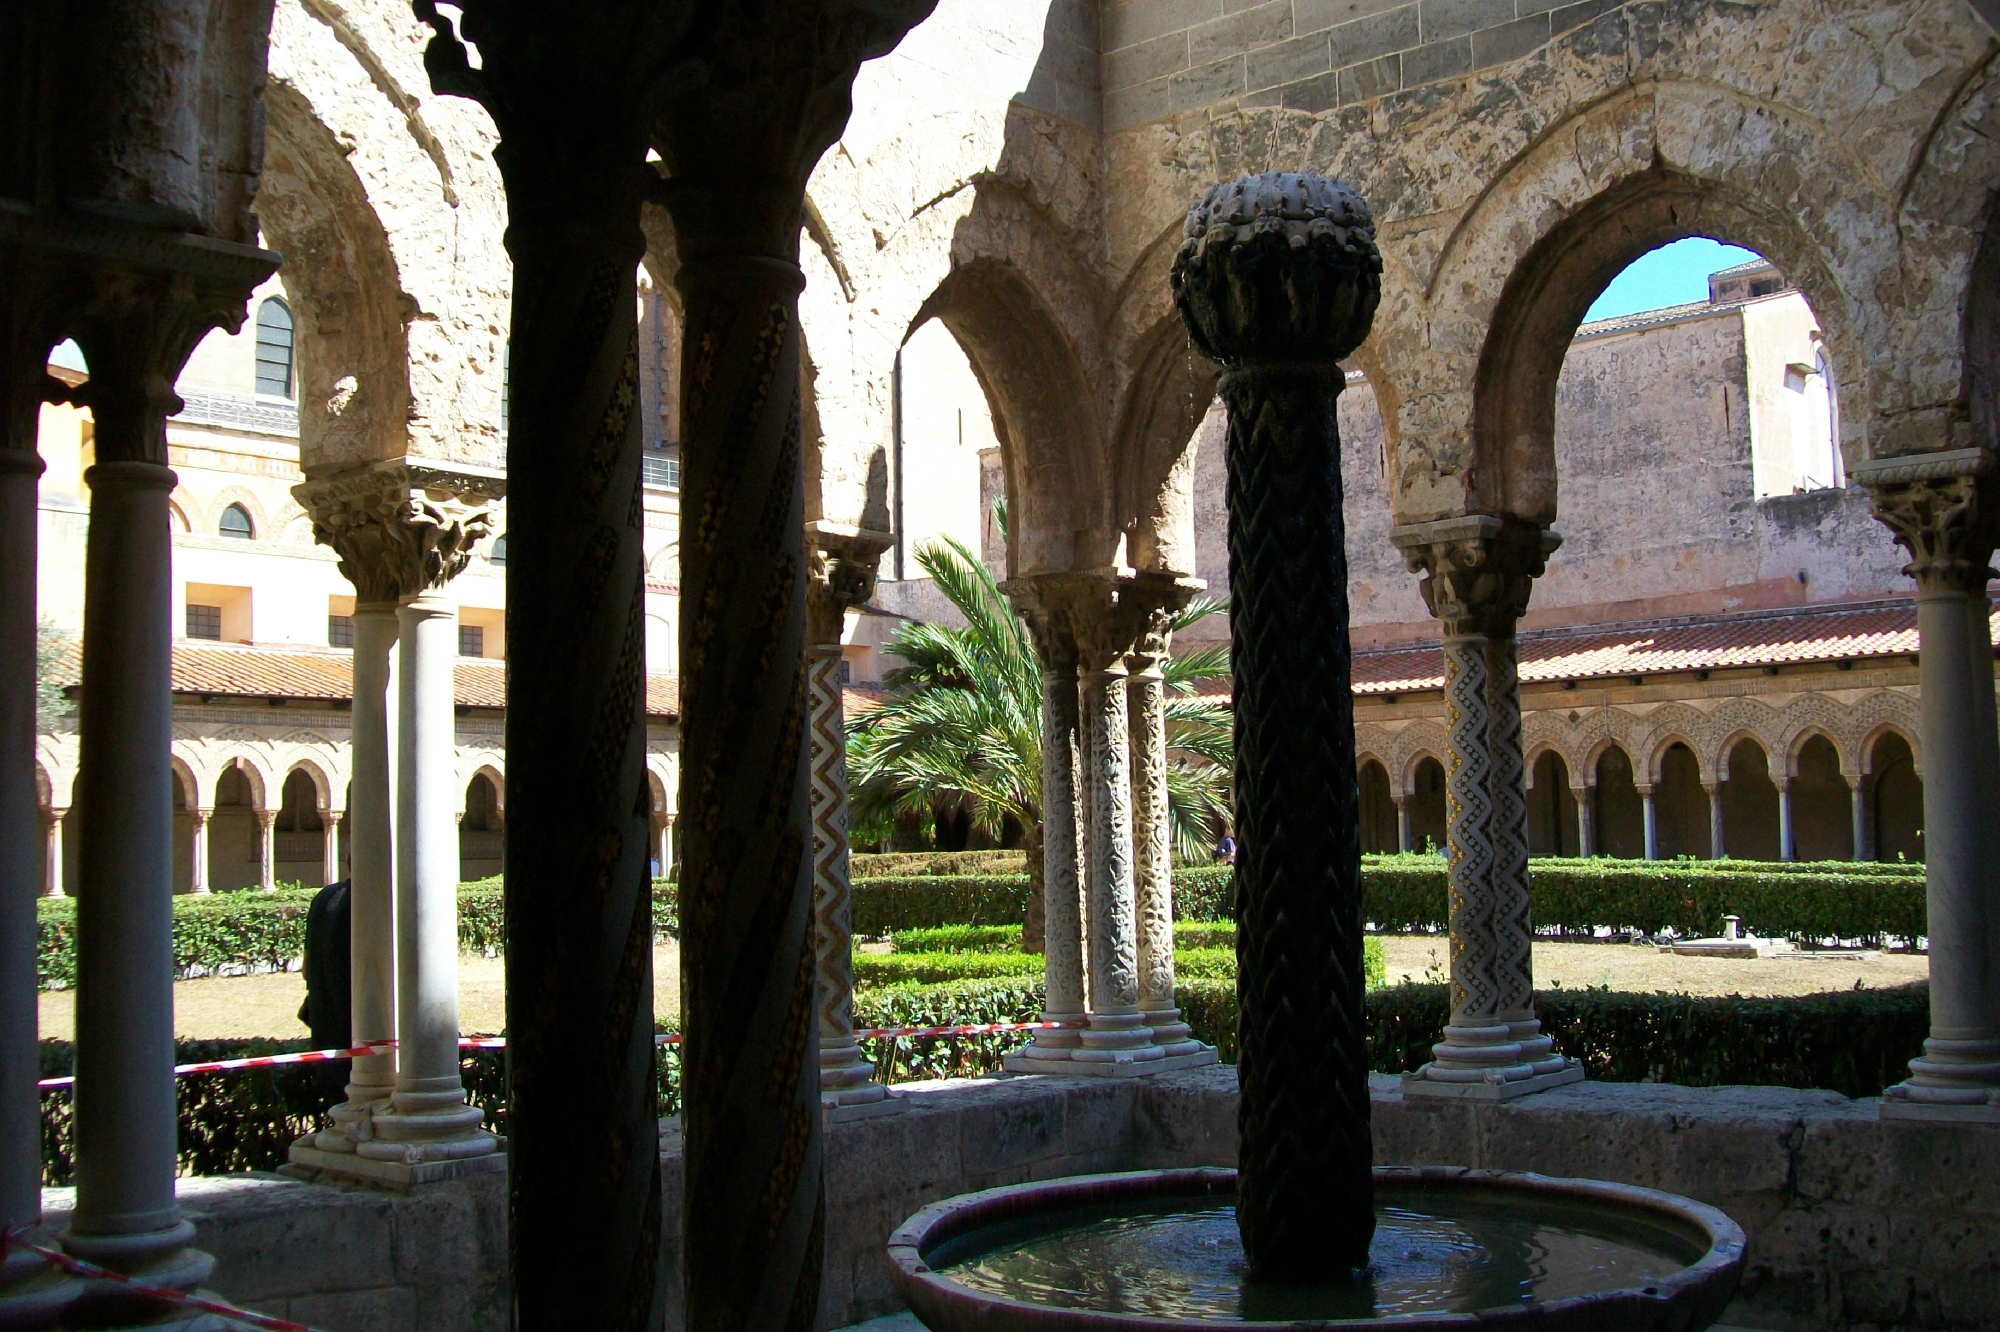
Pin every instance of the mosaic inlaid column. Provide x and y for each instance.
(1152, 842)
(1062, 910)
(1944, 508)
(841, 575)
(1479, 572)
(1277, 280)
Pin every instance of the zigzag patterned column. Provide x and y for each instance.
(1278, 279)
(1479, 572)
(842, 575)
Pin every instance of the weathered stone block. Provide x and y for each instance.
(390, 1309)
(1204, 84)
(1437, 60)
(1153, 59)
(1142, 20)
(1242, 31)
(1375, 36)
(1371, 79)
(1508, 41)
(1445, 19)
(1287, 62)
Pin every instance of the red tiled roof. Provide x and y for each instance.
(228, 670)
(1661, 647)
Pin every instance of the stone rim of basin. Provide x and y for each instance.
(1693, 1297)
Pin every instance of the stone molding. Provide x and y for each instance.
(1943, 508)
(1478, 570)
(402, 528)
(1104, 616)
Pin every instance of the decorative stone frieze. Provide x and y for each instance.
(840, 574)
(401, 528)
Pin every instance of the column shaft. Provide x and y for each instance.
(267, 850)
(199, 841)
(1713, 790)
(20, 812)
(126, 1215)
(1153, 863)
(1513, 900)
(1402, 804)
(371, 894)
(1117, 1030)
(1062, 916)
(52, 855)
(330, 849)
(1857, 805)
(1652, 831)
(1586, 823)
(845, 1077)
(427, 1118)
(1787, 848)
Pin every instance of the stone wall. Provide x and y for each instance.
(1855, 1225)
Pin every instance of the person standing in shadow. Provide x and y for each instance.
(328, 1010)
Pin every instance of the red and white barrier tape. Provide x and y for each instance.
(500, 1043)
(259, 1061)
(78, 1267)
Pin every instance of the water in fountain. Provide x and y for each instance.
(1433, 1253)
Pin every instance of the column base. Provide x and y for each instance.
(1492, 1084)
(1170, 1034)
(1118, 1068)
(1116, 1038)
(426, 1128)
(34, 1292)
(846, 1078)
(315, 1165)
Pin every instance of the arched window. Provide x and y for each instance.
(274, 349)
(236, 523)
(499, 555)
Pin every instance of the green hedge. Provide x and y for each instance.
(1877, 904)
(1007, 938)
(906, 864)
(1212, 956)
(256, 931)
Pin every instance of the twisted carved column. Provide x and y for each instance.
(1479, 572)
(840, 575)
(1278, 279)
(1944, 509)
(1116, 1032)
(1062, 914)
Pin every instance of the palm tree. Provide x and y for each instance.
(961, 726)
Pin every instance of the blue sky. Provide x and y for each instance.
(1671, 275)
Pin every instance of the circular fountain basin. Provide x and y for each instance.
(1453, 1248)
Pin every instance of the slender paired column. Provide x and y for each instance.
(1062, 913)
(1479, 572)
(371, 894)
(1788, 848)
(136, 338)
(198, 820)
(267, 850)
(1153, 864)
(1943, 508)
(1651, 823)
(52, 854)
(841, 574)
(1116, 1030)
(330, 848)
(1586, 822)
(1713, 790)
(1857, 805)
(1402, 804)
(427, 1119)
(1279, 279)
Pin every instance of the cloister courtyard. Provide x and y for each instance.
(640, 641)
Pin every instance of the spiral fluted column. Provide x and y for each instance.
(1278, 279)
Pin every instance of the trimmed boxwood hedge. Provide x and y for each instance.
(1855, 1042)
(1201, 952)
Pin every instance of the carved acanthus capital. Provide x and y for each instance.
(1479, 571)
(840, 575)
(1101, 620)
(1944, 508)
(1278, 267)
(401, 528)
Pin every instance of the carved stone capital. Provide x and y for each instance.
(1100, 618)
(1478, 570)
(401, 528)
(840, 574)
(1944, 508)
(1278, 267)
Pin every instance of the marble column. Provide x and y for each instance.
(1062, 912)
(330, 847)
(1116, 1031)
(403, 530)
(1651, 824)
(427, 1119)
(1944, 508)
(1787, 846)
(372, 889)
(198, 851)
(52, 854)
(136, 339)
(1478, 574)
(1586, 822)
(1152, 845)
(1857, 809)
(660, 845)
(1713, 790)
(267, 850)
(1402, 804)
(841, 575)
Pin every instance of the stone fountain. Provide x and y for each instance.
(1277, 280)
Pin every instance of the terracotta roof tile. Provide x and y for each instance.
(229, 670)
